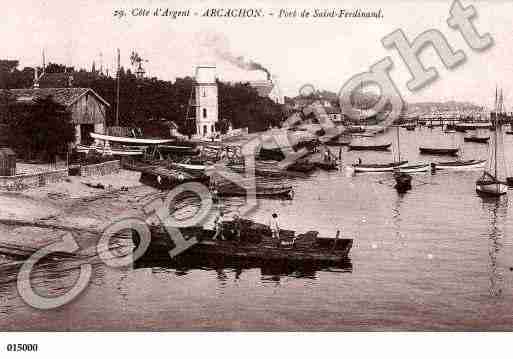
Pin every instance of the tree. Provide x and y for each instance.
(40, 129)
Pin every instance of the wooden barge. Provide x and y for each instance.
(254, 245)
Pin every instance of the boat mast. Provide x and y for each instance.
(398, 145)
(117, 90)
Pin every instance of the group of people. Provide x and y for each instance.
(274, 225)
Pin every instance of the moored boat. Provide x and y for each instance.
(402, 181)
(255, 244)
(413, 168)
(477, 139)
(370, 147)
(377, 167)
(459, 165)
(259, 192)
(449, 151)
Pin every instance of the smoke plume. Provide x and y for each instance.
(218, 45)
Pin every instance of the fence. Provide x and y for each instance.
(100, 169)
(24, 181)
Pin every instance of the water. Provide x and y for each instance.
(435, 258)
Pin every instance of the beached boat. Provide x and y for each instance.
(130, 140)
(459, 165)
(178, 149)
(369, 147)
(449, 151)
(377, 167)
(112, 150)
(255, 244)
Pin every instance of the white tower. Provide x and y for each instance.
(206, 100)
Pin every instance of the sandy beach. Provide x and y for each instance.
(69, 204)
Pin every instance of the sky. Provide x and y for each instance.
(324, 52)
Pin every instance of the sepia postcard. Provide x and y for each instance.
(305, 166)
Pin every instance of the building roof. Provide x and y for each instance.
(66, 96)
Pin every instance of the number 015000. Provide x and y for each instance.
(22, 347)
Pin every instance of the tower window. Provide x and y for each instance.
(204, 113)
(204, 93)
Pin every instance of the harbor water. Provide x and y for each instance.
(438, 257)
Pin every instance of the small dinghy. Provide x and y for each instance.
(424, 167)
(449, 151)
(459, 165)
(369, 147)
(402, 181)
(377, 167)
(260, 192)
(477, 139)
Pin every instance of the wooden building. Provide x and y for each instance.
(88, 109)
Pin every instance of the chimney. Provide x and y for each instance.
(36, 78)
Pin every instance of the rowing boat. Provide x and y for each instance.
(460, 165)
(477, 139)
(259, 192)
(369, 147)
(450, 151)
(414, 168)
(378, 167)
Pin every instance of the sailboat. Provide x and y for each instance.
(402, 179)
(491, 182)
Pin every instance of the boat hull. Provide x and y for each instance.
(255, 245)
(261, 192)
(384, 147)
(415, 168)
(387, 167)
(492, 189)
(439, 151)
(460, 165)
(402, 181)
(110, 151)
(477, 139)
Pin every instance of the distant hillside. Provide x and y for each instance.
(427, 107)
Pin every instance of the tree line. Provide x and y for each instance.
(147, 99)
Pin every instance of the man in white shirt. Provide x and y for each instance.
(275, 228)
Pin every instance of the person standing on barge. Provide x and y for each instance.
(275, 228)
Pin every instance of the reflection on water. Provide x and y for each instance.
(268, 272)
(497, 211)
